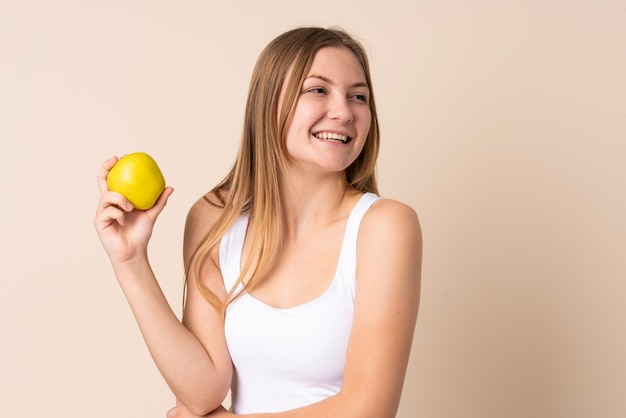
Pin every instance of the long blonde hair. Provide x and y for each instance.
(252, 183)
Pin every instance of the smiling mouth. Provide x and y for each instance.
(333, 137)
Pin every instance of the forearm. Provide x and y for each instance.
(198, 378)
(341, 405)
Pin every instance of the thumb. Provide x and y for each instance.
(155, 210)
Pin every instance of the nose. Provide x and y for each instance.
(339, 109)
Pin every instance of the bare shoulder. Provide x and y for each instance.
(201, 218)
(390, 242)
(206, 209)
(391, 219)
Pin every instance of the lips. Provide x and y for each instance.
(333, 137)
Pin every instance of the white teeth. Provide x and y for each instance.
(331, 136)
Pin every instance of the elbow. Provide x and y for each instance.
(199, 411)
(204, 399)
(204, 405)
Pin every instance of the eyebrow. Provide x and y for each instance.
(328, 80)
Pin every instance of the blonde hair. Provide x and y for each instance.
(252, 183)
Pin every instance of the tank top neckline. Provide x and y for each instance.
(336, 275)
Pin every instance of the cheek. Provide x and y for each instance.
(300, 125)
(304, 116)
(365, 120)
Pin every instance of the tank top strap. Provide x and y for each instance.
(231, 249)
(347, 258)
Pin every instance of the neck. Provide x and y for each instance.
(311, 202)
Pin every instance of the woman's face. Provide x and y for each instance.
(332, 117)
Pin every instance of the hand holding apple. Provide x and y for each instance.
(138, 178)
(124, 230)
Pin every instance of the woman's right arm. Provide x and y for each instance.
(193, 358)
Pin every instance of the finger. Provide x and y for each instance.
(172, 412)
(155, 210)
(104, 172)
(107, 216)
(109, 198)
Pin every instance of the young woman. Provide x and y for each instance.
(302, 284)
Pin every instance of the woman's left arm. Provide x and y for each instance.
(389, 258)
(389, 263)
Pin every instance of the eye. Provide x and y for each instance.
(316, 90)
(362, 98)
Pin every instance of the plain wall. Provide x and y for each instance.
(504, 126)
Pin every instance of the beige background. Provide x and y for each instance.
(504, 125)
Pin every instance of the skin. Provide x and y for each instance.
(193, 357)
(334, 98)
(197, 369)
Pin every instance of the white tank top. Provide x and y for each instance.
(288, 358)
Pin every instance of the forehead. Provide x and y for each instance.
(338, 61)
